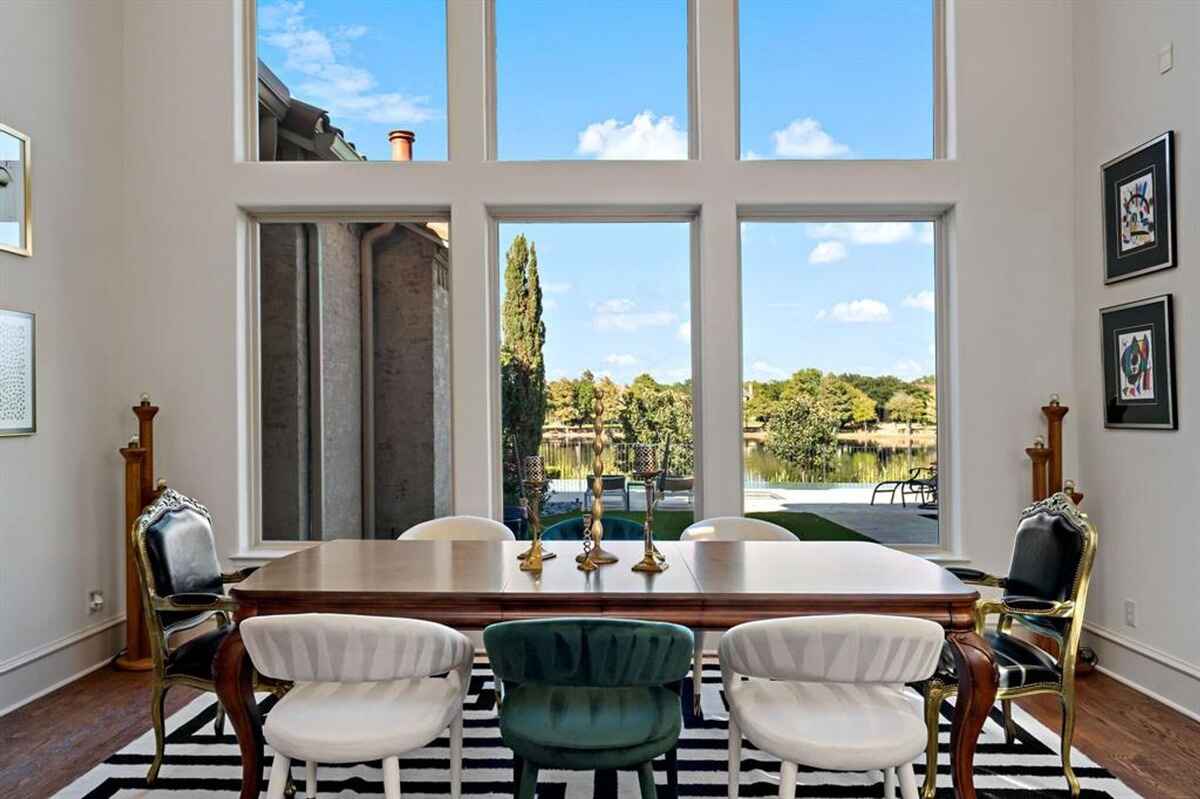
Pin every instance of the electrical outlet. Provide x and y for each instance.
(95, 601)
(1130, 613)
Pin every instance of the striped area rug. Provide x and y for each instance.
(202, 765)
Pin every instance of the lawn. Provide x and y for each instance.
(668, 524)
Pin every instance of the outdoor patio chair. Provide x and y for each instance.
(611, 484)
(913, 485)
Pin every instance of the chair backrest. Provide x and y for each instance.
(176, 552)
(852, 648)
(1052, 558)
(337, 647)
(610, 482)
(589, 652)
(458, 528)
(736, 528)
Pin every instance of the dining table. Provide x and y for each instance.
(710, 585)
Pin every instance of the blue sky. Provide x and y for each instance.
(820, 79)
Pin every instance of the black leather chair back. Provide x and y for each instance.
(1047, 562)
(181, 552)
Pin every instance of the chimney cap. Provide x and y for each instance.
(406, 135)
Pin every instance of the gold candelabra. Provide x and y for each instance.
(533, 480)
(596, 554)
(645, 470)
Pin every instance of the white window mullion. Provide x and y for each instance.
(714, 61)
(468, 69)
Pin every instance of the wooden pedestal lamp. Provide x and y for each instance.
(139, 492)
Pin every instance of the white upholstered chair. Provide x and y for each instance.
(458, 528)
(725, 528)
(829, 692)
(365, 689)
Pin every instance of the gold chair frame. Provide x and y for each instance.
(220, 607)
(1068, 650)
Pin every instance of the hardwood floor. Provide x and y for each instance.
(48, 743)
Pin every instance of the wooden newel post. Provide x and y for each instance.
(145, 414)
(1054, 413)
(137, 641)
(1039, 454)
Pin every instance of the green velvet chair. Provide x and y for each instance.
(589, 695)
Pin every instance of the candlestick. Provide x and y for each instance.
(535, 469)
(643, 458)
(597, 555)
(652, 560)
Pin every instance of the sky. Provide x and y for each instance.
(819, 79)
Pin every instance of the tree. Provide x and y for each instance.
(560, 400)
(522, 367)
(862, 408)
(650, 412)
(904, 407)
(761, 400)
(803, 433)
(838, 397)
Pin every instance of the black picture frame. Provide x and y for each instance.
(1138, 190)
(1137, 344)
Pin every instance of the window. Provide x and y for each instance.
(598, 312)
(341, 81)
(340, 378)
(846, 400)
(833, 79)
(591, 80)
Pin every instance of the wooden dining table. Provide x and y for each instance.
(710, 585)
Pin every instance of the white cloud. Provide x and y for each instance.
(863, 232)
(684, 332)
(827, 252)
(925, 235)
(672, 374)
(767, 369)
(805, 138)
(922, 299)
(646, 137)
(750, 155)
(865, 310)
(623, 359)
(621, 314)
(549, 304)
(346, 91)
(908, 367)
(553, 287)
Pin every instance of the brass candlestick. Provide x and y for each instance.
(652, 560)
(597, 555)
(534, 478)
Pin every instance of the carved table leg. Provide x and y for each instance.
(977, 680)
(235, 689)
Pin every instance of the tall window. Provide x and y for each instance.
(355, 385)
(598, 316)
(835, 79)
(591, 80)
(840, 399)
(351, 81)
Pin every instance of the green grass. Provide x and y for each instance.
(668, 524)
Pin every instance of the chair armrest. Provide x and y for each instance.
(195, 602)
(977, 577)
(1032, 606)
(239, 575)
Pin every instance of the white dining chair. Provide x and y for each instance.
(365, 689)
(458, 528)
(725, 528)
(829, 692)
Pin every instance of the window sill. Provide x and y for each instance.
(262, 553)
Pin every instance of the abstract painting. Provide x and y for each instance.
(1139, 380)
(1139, 210)
(16, 230)
(18, 396)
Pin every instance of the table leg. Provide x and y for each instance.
(977, 681)
(235, 689)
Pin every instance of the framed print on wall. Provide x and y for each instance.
(16, 229)
(1137, 340)
(1139, 210)
(18, 386)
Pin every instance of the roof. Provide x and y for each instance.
(301, 123)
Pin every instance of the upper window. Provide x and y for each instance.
(830, 79)
(591, 80)
(357, 81)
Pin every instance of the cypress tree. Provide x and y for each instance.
(522, 367)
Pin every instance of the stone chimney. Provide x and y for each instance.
(402, 144)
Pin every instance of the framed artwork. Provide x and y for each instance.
(18, 387)
(1139, 210)
(1137, 340)
(16, 229)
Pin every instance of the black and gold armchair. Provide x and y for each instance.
(1045, 592)
(182, 587)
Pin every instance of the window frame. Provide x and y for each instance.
(714, 190)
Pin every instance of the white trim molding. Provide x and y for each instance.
(1175, 680)
(49, 648)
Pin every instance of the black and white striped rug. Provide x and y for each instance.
(200, 764)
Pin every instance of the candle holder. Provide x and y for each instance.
(652, 560)
(597, 555)
(534, 479)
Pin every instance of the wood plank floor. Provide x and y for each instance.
(48, 743)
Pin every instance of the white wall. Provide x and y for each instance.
(1140, 485)
(60, 490)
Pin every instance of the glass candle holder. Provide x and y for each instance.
(535, 469)
(643, 458)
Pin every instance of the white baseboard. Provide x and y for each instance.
(1159, 675)
(38, 671)
(49, 689)
(38, 652)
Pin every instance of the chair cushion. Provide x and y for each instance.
(841, 726)
(350, 722)
(194, 658)
(560, 725)
(1020, 663)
